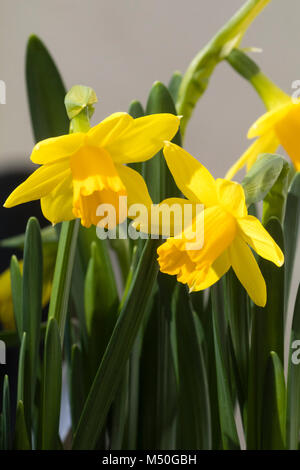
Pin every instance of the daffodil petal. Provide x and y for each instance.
(259, 239)
(136, 188)
(287, 130)
(247, 271)
(267, 143)
(39, 184)
(144, 138)
(192, 178)
(215, 272)
(57, 206)
(268, 120)
(232, 197)
(109, 129)
(56, 148)
(172, 216)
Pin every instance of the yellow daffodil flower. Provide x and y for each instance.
(229, 232)
(7, 319)
(80, 171)
(279, 126)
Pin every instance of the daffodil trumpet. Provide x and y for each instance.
(82, 170)
(229, 232)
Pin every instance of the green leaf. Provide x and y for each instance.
(194, 421)
(100, 316)
(291, 230)
(238, 320)
(6, 418)
(77, 389)
(226, 406)
(267, 335)
(48, 234)
(46, 92)
(21, 441)
(121, 247)
(274, 406)
(52, 380)
(119, 413)
(32, 299)
(24, 388)
(21, 393)
(158, 394)
(262, 176)
(16, 292)
(11, 337)
(63, 274)
(134, 393)
(293, 402)
(174, 85)
(136, 109)
(117, 353)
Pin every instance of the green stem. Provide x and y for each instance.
(197, 76)
(63, 274)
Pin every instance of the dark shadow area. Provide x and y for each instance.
(13, 222)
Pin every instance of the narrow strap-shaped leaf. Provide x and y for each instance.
(32, 301)
(158, 393)
(11, 337)
(100, 316)
(293, 402)
(226, 407)
(291, 230)
(21, 393)
(6, 416)
(23, 386)
(274, 406)
(267, 335)
(194, 421)
(238, 320)
(16, 292)
(51, 394)
(21, 441)
(134, 393)
(77, 389)
(121, 248)
(48, 234)
(86, 237)
(117, 353)
(174, 85)
(119, 413)
(63, 274)
(46, 92)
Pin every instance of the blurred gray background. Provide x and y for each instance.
(120, 47)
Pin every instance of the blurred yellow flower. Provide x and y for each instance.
(228, 232)
(80, 171)
(279, 126)
(7, 319)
